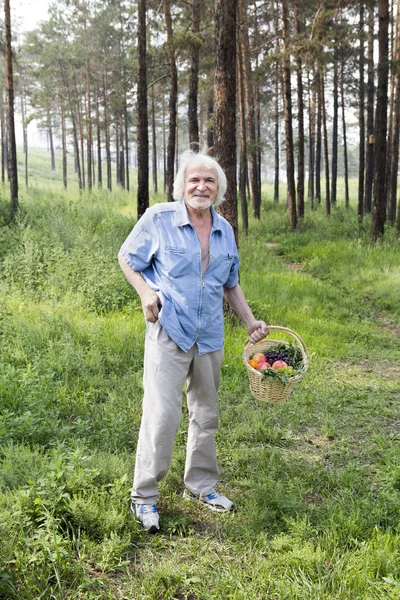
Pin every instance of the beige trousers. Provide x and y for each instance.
(166, 369)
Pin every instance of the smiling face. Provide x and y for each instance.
(201, 187)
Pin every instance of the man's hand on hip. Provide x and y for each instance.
(151, 305)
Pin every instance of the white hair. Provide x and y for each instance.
(190, 158)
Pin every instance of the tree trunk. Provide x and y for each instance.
(194, 75)
(88, 110)
(126, 138)
(335, 130)
(107, 125)
(394, 151)
(210, 121)
(98, 132)
(311, 149)
(257, 42)
(24, 133)
(277, 74)
(225, 103)
(142, 129)
(12, 148)
(117, 155)
(63, 139)
(319, 139)
(173, 99)
(243, 147)
(326, 151)
(164, 144)
(121, 146)
(287, 96)
(80, 125)
(76, 149)
(379, 203)
(361, 160)
(153, 140)
(3, 138)
(390, 124)
(250, 106)
(369, 153)
(346, 162)
(300, 107)
(93, 166)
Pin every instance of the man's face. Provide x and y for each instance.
(201, 187)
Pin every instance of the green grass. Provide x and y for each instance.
(315, 480)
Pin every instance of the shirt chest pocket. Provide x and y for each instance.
(220, 267)
(179, 261)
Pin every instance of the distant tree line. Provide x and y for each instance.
(250, 79)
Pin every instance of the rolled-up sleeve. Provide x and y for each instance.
(233, 278)
(141, 244)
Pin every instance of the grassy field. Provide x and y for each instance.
(315, 481)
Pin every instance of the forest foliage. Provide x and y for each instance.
(315, 94)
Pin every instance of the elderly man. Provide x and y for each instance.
(181, 258)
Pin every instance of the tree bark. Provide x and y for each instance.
(24, 133)
(210, 121)
(257, 85)
(76, 149)
(121, 147)
(318, 152)
(345, 159)
(107, 125)
(153, 141)
(335, 130)
(126, 144)
(379, 203)
(194, 75)
(117, 155)
(287, 96)
(3, 138)
(225, 103)
(277, 74)
(142, 115)
(243, 146)
(326, 151)
(98, 132)
(88, 109)
(173, 99)
(63, 138)
(369, 152)
(12, 148)
(361, 160)
(300, 108)
(311, 149)
(393, 153)
(164, 144)
(391, 83)
(80, 126)
(250, 106)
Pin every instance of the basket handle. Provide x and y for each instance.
(303, 349)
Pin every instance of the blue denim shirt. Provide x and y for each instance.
(165, 248)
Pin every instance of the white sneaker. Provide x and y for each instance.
(148, 516)
(214, 500)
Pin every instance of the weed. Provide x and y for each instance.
(315, 481)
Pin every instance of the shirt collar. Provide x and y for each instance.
(182, 217)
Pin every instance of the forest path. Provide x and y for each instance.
(288, 263)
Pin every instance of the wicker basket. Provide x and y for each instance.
(275, 391)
